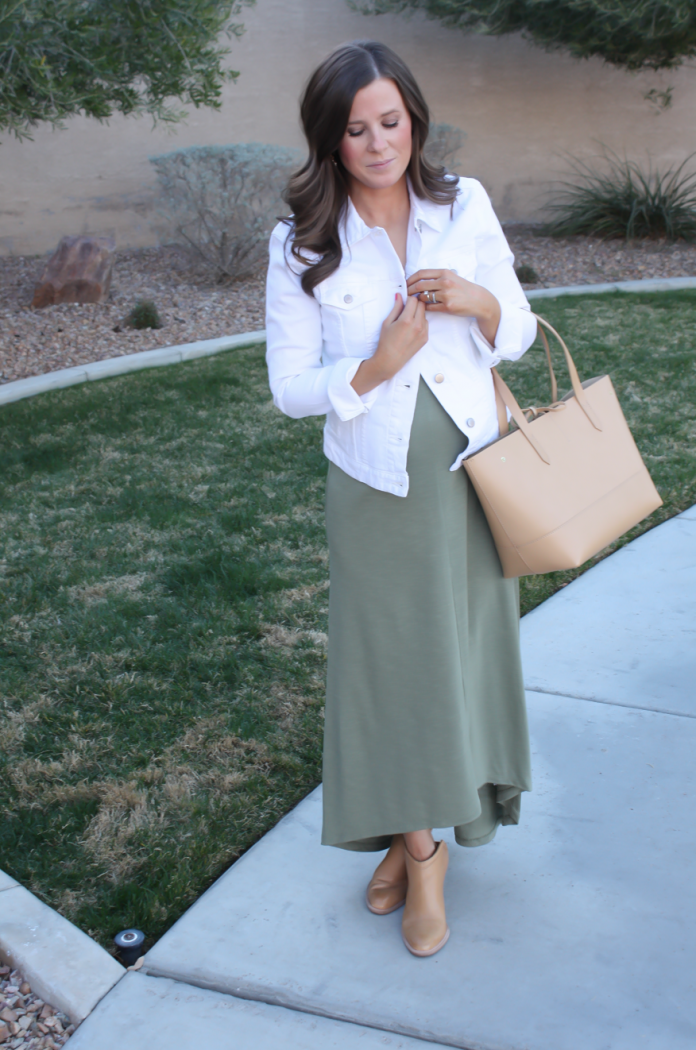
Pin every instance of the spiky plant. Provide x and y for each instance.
(621, 199)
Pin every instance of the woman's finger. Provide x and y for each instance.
(423, 285)
(426, 286)
(434, 297)
(423, 275)
(420, 309)
(396, 310)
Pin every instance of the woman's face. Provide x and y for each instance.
(376, 148)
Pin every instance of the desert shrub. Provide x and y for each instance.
(223, 201)
(443, 145)
(625, 201)
(144, 315)
(526, 274)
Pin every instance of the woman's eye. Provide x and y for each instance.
(393, 124)
(354, 134)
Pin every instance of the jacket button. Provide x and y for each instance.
(471, 422)
(347, 298)
(439, 378)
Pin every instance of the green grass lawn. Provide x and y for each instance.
(164, 602)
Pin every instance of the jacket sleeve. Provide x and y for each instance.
(301, 385)
(494, 271)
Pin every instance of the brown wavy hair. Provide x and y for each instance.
(318, 192)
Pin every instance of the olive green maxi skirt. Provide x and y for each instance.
(425, 713)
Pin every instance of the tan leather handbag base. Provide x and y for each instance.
(564, 485)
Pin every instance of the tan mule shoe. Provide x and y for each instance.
(387, 889)
(424, 926)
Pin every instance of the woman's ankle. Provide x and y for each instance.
(420, 844)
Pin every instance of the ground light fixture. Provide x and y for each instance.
(129, 944)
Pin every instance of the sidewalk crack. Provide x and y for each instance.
(609, 703)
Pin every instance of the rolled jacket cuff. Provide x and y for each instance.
(511, 337)
(345, 401)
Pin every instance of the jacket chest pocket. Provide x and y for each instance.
(351, 317)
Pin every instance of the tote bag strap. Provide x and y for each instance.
(506, 396)
(578, 391)
(574, 377)
(552, 374)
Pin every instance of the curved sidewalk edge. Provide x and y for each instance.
(62, 964)
(647, 284)
(116, 366)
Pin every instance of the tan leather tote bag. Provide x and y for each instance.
(566, 482)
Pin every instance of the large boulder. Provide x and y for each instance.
(79, 271)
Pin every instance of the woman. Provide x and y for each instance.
(391, 294)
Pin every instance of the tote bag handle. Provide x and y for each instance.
(505, 399)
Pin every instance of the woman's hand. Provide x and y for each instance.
(404, 332)
(443, 291)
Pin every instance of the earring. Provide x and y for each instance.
(333, 160)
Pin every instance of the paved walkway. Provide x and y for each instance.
(575, 931)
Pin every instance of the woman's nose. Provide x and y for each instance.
(378, 143)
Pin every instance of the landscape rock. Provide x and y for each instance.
(79, 271)
(25, 1031)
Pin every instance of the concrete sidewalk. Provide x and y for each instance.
(575, 931)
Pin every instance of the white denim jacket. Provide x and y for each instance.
(315, 344)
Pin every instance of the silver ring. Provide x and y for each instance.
(432, 297)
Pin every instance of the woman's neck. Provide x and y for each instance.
(389, 208)
(383, 206)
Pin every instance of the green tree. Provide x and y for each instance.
(96, 57)
(633, 34)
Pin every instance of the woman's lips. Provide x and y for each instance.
(381, 163)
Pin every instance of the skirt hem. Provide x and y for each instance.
(500, 805)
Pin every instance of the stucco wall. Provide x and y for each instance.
(520, 107)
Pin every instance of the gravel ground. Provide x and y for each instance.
(191, 307)
(587, 260)
(27, 1022)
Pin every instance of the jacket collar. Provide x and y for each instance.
(425, 211)
(353, 229)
